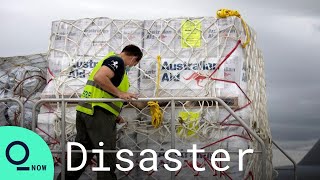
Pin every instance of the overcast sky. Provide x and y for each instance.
(288, 35)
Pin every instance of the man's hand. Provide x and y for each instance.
(120, 123)
(127, 96)
(120, 120)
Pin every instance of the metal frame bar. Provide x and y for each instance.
(292, 160)
(172, 99)
(21, 108)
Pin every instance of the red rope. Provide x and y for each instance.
(233, 82)
(238, 109)
(225, 58)
(222, 123)
(228, 137)
(214, 170)
(50, 72)
(55, 140)
(250, 175)
(208, 162)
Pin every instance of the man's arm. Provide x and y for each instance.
(102, 78)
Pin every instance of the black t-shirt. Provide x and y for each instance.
(116, 64)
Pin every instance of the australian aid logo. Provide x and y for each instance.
(191, 72)
(24, 155)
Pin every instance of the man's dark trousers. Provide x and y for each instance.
(100, 127)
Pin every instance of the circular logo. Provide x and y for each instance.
(24, 155)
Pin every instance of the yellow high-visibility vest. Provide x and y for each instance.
(93, 90)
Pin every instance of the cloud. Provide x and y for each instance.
(302, 8)
(316, 27)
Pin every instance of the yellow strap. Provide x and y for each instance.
(156, 114)
(155, 110)
(158, 75)
(224, 13)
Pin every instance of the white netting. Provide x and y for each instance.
(198, 57)
(21, 77)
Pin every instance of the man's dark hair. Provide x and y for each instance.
(133, 50)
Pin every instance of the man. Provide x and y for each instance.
(96, 122)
